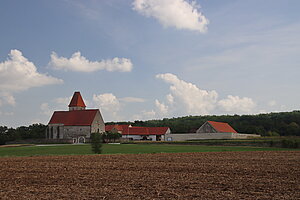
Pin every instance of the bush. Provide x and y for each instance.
(109, 136)
(289, 143)
(96, 143)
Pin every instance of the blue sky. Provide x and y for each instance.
(148, 59)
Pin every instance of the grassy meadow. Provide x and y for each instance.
(84, 149)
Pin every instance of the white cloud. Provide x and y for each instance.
(6, 98)
(177, 13)
(17, 73)
(200, 102)
(108, 104)
(148, 114)
(162, 109)
(170, 99)
(79, 63)
(107, 101)
(236, 104)
(132, 100)
(195, 100)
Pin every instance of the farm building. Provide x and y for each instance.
(140, 133)
(215, 127)
(75, 125)
(210, 130)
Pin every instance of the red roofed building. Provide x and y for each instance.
(139, 133)
(77, 124)
(215, 127)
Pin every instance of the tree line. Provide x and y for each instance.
(271, 124)
(34, 131)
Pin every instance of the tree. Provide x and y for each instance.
(96, 143)
(109, 136)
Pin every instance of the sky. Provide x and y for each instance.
(148, 59)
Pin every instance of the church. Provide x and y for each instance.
(75, 125)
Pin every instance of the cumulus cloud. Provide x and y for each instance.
(79, 63)
(162, 109)
(237, 104)
(132, 100)
(198, 101)
(109, 104)
(170, 99)
(195, 100)
(177, 13)
(6, 98)
(17, 73)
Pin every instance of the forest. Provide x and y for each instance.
(271, 124)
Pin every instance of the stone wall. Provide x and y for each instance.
(77, 131)
(55, 131)
(203, 136)
(98, 124)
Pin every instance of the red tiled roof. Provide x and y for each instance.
(137, 130)
(116, 126)
(74, 117)
(222, 127)
(77, 100)
(158, 130)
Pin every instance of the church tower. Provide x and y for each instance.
(77, 102)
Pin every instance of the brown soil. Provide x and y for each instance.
(226, 175)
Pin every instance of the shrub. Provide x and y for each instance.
(96, 143)
(289, 143)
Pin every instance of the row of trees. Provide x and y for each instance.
(34, 131)
(271, 124)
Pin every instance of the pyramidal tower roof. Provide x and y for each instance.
(77, 100)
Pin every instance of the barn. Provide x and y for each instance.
(76, 124)
(210, 130)
(215, 127)
(139, 133)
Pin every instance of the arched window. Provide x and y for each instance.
(51, 133)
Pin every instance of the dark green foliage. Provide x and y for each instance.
(34, 131)
(290, 143)
(96, 142)
(109, 136)
(272, 124)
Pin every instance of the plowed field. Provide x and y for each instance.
(224, 175)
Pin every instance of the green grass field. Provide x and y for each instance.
(122, 149)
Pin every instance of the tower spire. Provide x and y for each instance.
(77, 102)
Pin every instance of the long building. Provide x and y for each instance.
(139, 133)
